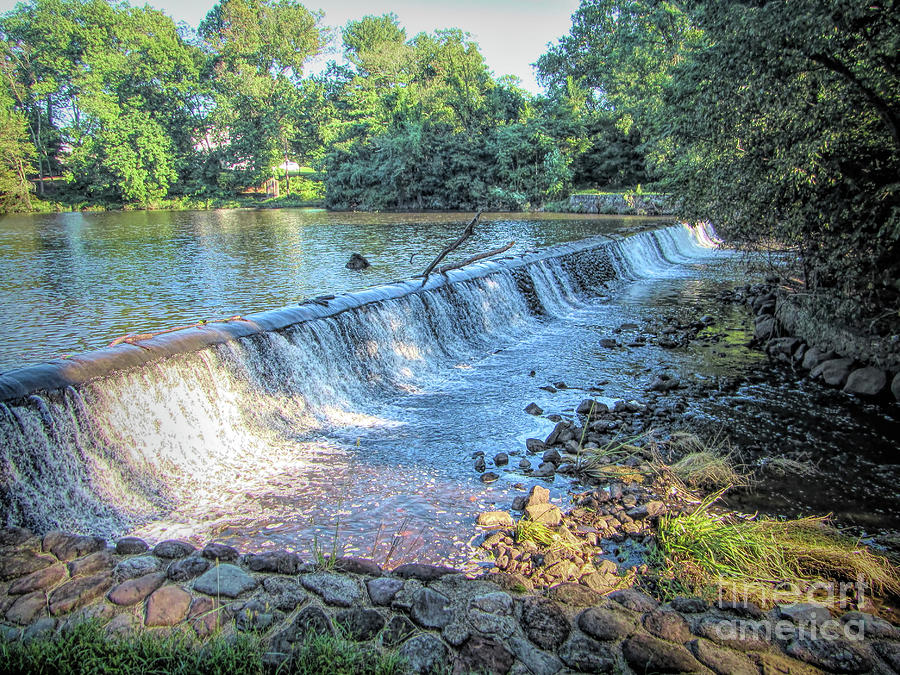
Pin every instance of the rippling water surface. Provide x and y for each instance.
(76, 281)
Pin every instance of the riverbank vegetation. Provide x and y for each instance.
(88, 648)
(778, 121)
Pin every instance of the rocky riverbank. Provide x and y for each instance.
(437, 619)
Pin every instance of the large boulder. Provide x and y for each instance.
(835, 372)
(866, 381)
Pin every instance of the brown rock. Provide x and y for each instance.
(27, 608)
(40, 580)
(206, 616)
(355, 565)
(279, 562)
(634, 600)
(575, 595)
(79, 592)
(544, 622)
(14, 536)
(91, 564)
(422, 571)
(495, 519)
(134, 591)
(743, 635)
(609, 623)
(646, 654)
(775, 664)
(69, 546)
(546, 514)
(668, 625)
(19, 564)
(131, 546)
(167, 606)
(720, 660)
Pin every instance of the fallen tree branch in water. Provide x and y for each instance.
(470, 228)
(476, 258)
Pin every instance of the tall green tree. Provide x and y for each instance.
(258, 49)
(15, 154)
(787, 128)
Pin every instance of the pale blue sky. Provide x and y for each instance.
(512, 33)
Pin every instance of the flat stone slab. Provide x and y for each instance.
(27, 608)
(334, 589)
(91, 564)
(40, 580)
(225, 580)
(20, 564)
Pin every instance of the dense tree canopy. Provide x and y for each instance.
(776, 119)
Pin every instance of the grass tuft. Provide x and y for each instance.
(707, 470)
(758, 556)
(86, 648)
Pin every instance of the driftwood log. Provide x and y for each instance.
(134, 338)
(476, 258)
(470, 229)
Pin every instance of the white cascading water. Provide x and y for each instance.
(135, 445)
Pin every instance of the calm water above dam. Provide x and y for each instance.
(73, 281)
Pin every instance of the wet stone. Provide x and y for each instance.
(544, 622)
(584, 654)
(69, 546)
(667, 625)
(79, 592)
(334, 589)
(424, 654)
(538, 662)
(220, 552)
(134, 591)
(720, 660)
(479, 655)
(136, 567)
(489, 477)
(188, 568)
(837, 655)
(397, 630)
(360, 624)
(27, 608)
(607, 624)
(91, 564)
(40, 580)
(225, 580)
(647, 654)
(173, 548)
(431, 609)
(131, 546)
(278, 562)
(422, 572)
(383, 589)
(501, 459)
(167, 606)
(286, 593)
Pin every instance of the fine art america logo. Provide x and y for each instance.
(812, 620)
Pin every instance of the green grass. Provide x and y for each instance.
(702, 549)
(87, 649)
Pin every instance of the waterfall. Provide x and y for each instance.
(118, 437)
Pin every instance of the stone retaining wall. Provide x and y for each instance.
(432, 616)
(624, 204)
(798, 319)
